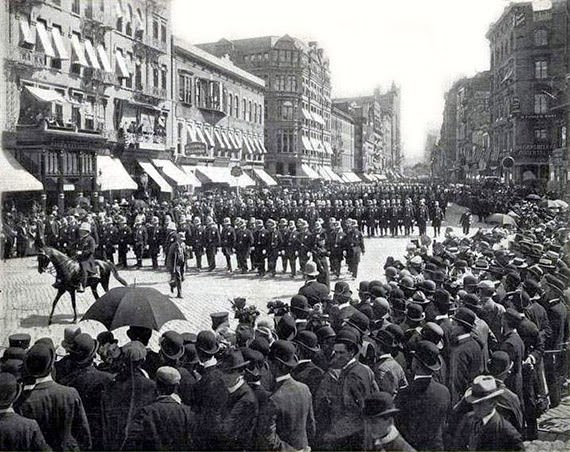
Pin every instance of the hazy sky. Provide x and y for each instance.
(424, 45)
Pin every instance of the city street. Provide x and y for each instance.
(26, 296)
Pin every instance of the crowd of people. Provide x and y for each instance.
(461, 345)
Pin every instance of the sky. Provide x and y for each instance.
(422, 45)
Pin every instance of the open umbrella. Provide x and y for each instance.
(560, 203)
(533, 197)
(134, 306)
(502, 219)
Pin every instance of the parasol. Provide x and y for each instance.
(501, 219)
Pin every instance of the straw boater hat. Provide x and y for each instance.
(484, 387)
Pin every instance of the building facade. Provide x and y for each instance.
(218, 111)
(342, 140)
(528, 45)
(85, 79)
(297, 107)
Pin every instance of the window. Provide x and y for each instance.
(230, 104)
(541, 69)
(255, 112)
(236, 106)
(279, 168)
(155, 29)
(292, 169)
(163, 33)
(244, 109)
(76, 109)
(56, 62)
(129, 25)
(562, 140)
(540, 38)
(76, 6)
(138, 74)
(89, 9)
(285, 141)
(155, 76)
(249, 112)
(287, 111)
(540, 103)
(540, 134)
(185, 88)
(164, 77)
(129, 81)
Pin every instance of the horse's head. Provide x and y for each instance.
(43, 261)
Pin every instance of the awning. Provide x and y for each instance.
(46, 95)
(318, 118)
(222, 175)
(247, 144)
(45, 39)
(328, 148)
(26, 32)
(91, 54)
(78, 51)
(306, 114)
(309, 172)
(317, 145)
(323, 173)
(200, 136)
(251, 142)
(59, 46)
(367, 177)
(334, 176)
(233, 140)
(191, 135)
(209, 138)
(155, 176)
(173, 172)
(380, 177)
(112, 175)
(226, 140)
(220, 144)
(122, 65)
(189, 170)
(306, 143)
(104, 58)
(13, 177)
(259, 145)
(351, 177)
(264, 177)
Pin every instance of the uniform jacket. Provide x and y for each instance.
(164, 424)
(244, 239)
(85, 249)
(424, 405)
(290, 418)
(59, 412)
(20, 433)
(228, 238)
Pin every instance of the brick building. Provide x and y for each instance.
(218, 117)
(528, 46)
(297, 105)
(342, 140)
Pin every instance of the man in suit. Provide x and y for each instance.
(260, 240)
(243, 244)
(166, 423)
(514, 346)
(314, 291)
(57, 409)
(354, 246)
(210, 394)
(307, 371)
(290, 421)
(380, 433)
(123, 239)
(211, 243)
(272, 246)
(198, 241)
(464, 361)
(140, 239)
(423, 404)
(155, 238)
(341, 395)
(291, 246)
(335, 246)
(239, 419)
(484, 428)
(17, 432)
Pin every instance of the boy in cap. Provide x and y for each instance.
(166, 423)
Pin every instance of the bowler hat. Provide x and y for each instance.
(469, 281)
(349, 337)
(21, 340)
(419, 298)
(172, 345)
(83, 349)
(284, 352)
(379, 404)
(168, 375)
(381, 308)
(308, 340)
(432, 332)
(359, 321)
(310, 269)
(442, 297)
(499, 363)
(555, 283)
(428, 286)
(255, 361)
(233, 361)
(106, 337)
(342, 288)
(415, 312)
(218, 318)
(299, 303)
(14, 353)
(324, 333)
(385, 338)
(363, 287)
(190, 355)
(206, 342)
(484, 387)
(69, 334)
(39, 360)
(466, 317)
(471, 299)
(378, 291)
(427, 353)
(261, 344)
(286, 328)
(9, 389)
(189, 338)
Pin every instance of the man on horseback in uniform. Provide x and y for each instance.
(85, 249)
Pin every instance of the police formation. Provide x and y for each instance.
(257, 232)
(461, 345)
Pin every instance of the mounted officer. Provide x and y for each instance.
(84, 251)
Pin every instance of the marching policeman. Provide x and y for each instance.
(291, 246)
(335, 245)
(154, 232)
(140, 239)
(197, 243)
(305, 242)
(260, 237)
(243, 244)
(228, 242)
(124, 235)
(422, 217)
(354, 247)
(272, 246)
(212, 242)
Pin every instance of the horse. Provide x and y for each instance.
(68, 275)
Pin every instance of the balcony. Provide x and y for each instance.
(150, 94)
(145, 140)
(28, 57)
(103, 77)
(149, 44)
